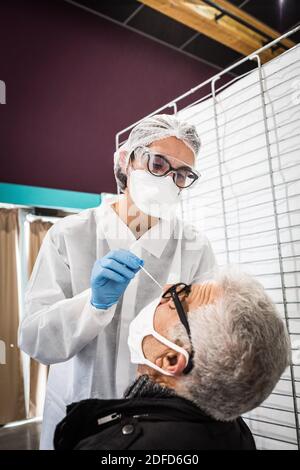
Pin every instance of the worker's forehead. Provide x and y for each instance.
(176, 148)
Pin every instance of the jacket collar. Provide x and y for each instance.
(143, 386)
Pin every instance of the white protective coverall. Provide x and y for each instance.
(86, 347)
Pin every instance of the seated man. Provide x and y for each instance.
(207, 354)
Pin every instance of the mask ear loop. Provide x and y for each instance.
(128, 167)
(172, 346)
(121, 159)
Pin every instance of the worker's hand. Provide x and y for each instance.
(111, 275)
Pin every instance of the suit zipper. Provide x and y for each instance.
(109, 418)
(115, 417)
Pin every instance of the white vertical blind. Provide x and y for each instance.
(248, 203)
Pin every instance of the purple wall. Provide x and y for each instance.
(73, 80)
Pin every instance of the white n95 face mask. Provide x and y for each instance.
(153, 195)
(142, 326)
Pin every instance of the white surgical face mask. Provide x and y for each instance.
(153, 195)
(142, 326)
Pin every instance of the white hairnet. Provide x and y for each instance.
(150, 129)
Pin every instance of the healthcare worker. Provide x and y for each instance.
(88, 282)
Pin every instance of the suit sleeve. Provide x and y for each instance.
(56, 324)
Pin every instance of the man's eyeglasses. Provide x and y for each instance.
(175, 292)
(159, 165)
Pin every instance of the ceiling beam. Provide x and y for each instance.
(237, 29)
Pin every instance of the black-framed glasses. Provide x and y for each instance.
(175, 292)
(159, 165)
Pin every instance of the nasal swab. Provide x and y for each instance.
(154, 280)
(145, 270)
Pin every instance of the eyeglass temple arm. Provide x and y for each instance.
(181, 312)
(183, 319)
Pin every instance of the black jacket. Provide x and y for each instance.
(148, 422)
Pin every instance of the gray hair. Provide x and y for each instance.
(150, 129)
(241, 348)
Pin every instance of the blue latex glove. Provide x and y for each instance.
(111, 275)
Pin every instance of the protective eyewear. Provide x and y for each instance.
(159, 165)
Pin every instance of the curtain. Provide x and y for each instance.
(12, 403)
(38, 372)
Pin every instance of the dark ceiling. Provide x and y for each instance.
(281, 15)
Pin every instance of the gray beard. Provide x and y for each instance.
(143, 386)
